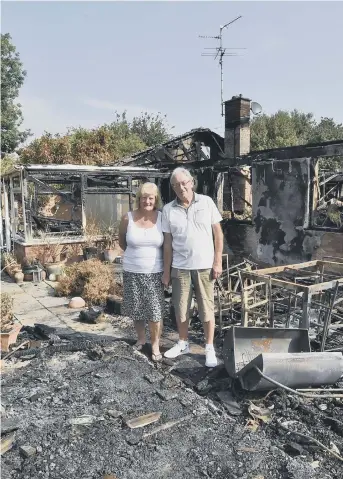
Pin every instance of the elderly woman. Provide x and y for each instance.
(141, 237)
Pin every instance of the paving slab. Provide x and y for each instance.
(101, 328)
(10, 288)
(39, 316)
(25, 303)
(52, 301)
(38, 290)
(64, 311)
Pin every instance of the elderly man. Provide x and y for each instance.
(190, 223)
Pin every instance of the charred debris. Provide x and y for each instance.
(90, 406)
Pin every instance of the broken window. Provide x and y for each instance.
(56, 207)
(328, 199)
(107, 183)
(237, 195)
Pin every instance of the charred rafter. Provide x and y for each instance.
(184, 148)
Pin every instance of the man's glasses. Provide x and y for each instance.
(180, 185)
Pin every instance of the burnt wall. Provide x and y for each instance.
(280, 233)
(280, 208)
(243, 242)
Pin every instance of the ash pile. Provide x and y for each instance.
(85, 408)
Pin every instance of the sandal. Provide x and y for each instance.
(156, 357)
(138, 347)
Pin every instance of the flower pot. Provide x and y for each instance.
(10, 337)
(19, 277)
(110, 255)
(53, 268)
(90, 252)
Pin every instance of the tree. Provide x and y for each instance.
(295, 128)
(12, 79)
(150, 128)
(101, 146)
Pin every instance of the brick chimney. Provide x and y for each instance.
(237, 127)
(237, 193)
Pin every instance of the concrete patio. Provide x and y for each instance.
(36, 303)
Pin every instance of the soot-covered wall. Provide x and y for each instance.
(281, 197)
(280, 233)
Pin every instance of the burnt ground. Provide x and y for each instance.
(45, 395)
(110, 384)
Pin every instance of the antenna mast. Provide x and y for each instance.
(220, 52)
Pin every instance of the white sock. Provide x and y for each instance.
(209, 347)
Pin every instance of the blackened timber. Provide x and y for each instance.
(329, 148)
(320, 150)
(115, 191)
(41, 184)
(186, 152)
(167, 153)
(201, 135)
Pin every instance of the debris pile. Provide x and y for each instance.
(95, 408)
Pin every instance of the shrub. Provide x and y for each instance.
(6, 312)
(91, 279)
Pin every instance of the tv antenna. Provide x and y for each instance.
(220, 52)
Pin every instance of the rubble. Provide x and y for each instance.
(78, 395)
(27, 451)
(75, 422)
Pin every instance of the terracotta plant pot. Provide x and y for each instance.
(53, 268)
(19, 277)
(110, 255)
(10, 337)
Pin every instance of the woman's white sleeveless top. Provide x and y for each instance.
(143, 253)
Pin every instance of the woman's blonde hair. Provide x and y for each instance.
(148, 189)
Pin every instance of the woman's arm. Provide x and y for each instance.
(122, 231)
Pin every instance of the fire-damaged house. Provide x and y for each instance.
(277, 207)
(92, 409)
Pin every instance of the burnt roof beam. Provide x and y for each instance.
(331, 148)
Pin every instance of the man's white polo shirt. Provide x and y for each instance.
(191, 229)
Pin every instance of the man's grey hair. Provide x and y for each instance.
(179, 170)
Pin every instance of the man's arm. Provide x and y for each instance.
(122, 231)
(167, 258)
(216, 218)
(167, 248)
(217, 267)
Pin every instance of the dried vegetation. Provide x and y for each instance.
(92, 280)
(6, 312)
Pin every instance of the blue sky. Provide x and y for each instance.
(86, 59)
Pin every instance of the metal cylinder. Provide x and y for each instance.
(293, 370)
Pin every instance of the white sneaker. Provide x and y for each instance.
(211, 359)
(182, 347)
